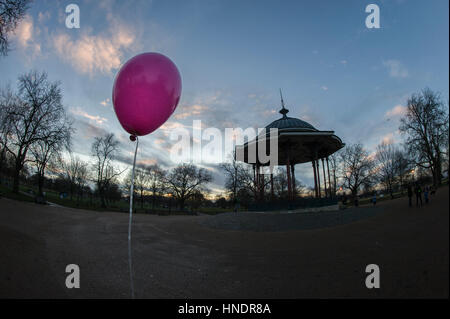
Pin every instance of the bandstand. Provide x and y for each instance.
(298, 142)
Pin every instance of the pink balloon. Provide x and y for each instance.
(146, 92)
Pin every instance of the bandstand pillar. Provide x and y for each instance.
(294, 191)
(288, 171)
(255, 183)
(324, 179)
(318, 178)
(272, 196)
(315, 177)
(261, 186)
(329, 180)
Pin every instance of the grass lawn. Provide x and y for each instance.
(118, 206)
(7, 192)
(123, 206)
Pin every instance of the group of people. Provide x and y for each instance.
(413, 189)
(417, 190)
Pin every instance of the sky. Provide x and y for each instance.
(233, 57)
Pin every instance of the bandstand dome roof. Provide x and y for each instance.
(298, 141)
(291, 122)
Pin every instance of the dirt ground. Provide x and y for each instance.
(181, 257)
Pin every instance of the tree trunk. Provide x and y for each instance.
(2, 161)
(334, 183)
(40, 185)
(16, 179)
(102, 199)
(181, 204)
(79, 194)
(354, 195)
(438, 171)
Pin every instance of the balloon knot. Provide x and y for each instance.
(132, 138)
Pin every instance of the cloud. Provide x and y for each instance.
(325, 88)
(88, 131)
(267, 113)
(388, 138)
(24, 31)
(171, 125)
(126, 157)
(189, 111)
(396, 69)
(25, 36)
(106, 102)
(146, 162)
(95, 118)
(397, 110)
(95, 53)
(344, 62)
(42, 16)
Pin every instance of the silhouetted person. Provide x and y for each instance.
(425, 194)
(418, 191)
(410, 194)
(374, 199)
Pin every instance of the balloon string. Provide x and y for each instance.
(130, 260)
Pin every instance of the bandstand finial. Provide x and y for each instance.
(283, 110)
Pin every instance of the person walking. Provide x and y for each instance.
(418, 191)
(410, 194)
(425, 194)
(374, 199)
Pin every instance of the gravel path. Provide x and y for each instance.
(285, 256)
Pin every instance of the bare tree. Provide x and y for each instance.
(69, 171)
(76, 173)
(104, 150)
(403, 167)
(235, 177)
(333, 161)
(43, 151)
(33, 115)
(7, 101)
(356, 166)
(57, 138)
(81, 179)
(280, 183)
(11, 12)
(425, 125)
(141, 182)
(386, 168)
(157, 182)
(247, 180)
(185, 179)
